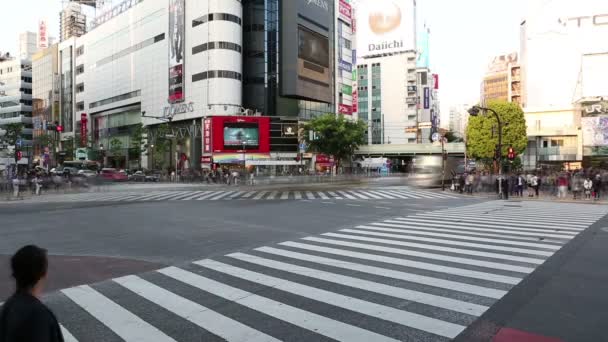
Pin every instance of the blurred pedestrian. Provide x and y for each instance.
(24, 318)
(520, 185)
(562, 185)
(597, 186)
(588, 187)
(535, 184)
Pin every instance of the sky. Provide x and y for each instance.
(465, 35)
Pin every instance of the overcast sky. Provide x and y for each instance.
(465, 35)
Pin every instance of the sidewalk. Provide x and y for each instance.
(564, 300)
(542, 198)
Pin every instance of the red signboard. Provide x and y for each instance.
(84, 131)
(322, 158)
(232, 133)
(206, 160)
(345, 11)
(345, 109)
(207, 136)
(43, 42)
(355, 107)
(436, 81)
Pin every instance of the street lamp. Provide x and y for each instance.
(474, 111)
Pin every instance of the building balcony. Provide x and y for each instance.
(17, 119)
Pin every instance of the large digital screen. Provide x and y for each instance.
(241, 136)
(595, 130)
(176, 50)
(313, 47)
(385, 26)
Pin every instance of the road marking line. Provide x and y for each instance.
(260, 195)
(366, 285)
(459, 227)
(370, 194)
(395, 194)
(220, 196)
(353, 205)
(186, 195)
(322, 195)
(297, 195)
(382, 194)
(495, 217)
(334, 195)
(471, 238)
(523, 225)
(385, 272)
(435, 248)
(310, 195)
(304, 319)
(205, 318)
(358, 194)
(404, 193)
(390, 314)
(150, 196)
(272, 195)
(347, 195)
(456, 243)
(433, 256)
(67, 336)
(206, 196)
(235, 195)
(171, 195)
(121, 321)
(249, 194)
(328, 202)
(285, 195)
(408, 263)
(383, 208)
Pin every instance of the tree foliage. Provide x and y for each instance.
(116, 147)
(452, 137)
(162, 145)
(13, 132)
(70, 148)
(138, 142)
(482, 131)
(44, 140)
(334, 135)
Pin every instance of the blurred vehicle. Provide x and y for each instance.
(87, 173)
(427, 172)
(138, 176)
(111, 174)
(153, 176)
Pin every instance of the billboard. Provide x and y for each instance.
(423, 47)
(427, 98)
(43, 38)
(306, 52)
(344, 11)
(176, 50)
(595, 130)
(385, 26)
(224, 134)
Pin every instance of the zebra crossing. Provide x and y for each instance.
(261, 195)
(424, 277)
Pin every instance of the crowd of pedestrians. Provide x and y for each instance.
(583, 184)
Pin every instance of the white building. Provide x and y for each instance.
(459, 118)
(72, 21)
(28, 44)
(564, 57)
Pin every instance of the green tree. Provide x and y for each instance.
(334, 136)
(69, 148)
(161, 146)
(13, 132)
(452, 137)
(482, 131)
(137, 142)
(116, 149)
(44, 140)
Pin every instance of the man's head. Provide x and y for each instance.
(29, 266)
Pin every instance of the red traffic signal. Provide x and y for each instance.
(59, 128)
(511, 153)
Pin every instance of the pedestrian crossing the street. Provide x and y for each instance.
(269, 195)
(423, 277)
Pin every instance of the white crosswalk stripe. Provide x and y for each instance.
(336, 285)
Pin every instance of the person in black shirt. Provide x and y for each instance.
(23, 317)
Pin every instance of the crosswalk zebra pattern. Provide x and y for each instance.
(423, 277)
(268, 195)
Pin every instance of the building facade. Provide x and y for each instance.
(502, 80)
(180, 62)
(16, 99)
(45, 102)
(72, 21)
(564, 53)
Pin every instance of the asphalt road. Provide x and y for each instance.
(310, 269)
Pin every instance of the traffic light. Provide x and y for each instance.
(59, 128)
(18, 155)
(511, 153)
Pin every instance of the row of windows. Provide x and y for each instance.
(79, 88)
(253, 28)
(14, 115)
(216, 45)
(216, 74)
(216, 16)
(115, 99)
(131, 49)
(80, 69)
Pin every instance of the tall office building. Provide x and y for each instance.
(28, 44)
(45, 97)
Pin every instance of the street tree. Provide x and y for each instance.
(162, 145)
(138, 142)
(13, 132)
(44, 140)
(69, 147)
(116, 149)
(334, 136)
(452, 137)
(482, 131)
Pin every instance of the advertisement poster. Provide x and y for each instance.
(595, 130)
(207, 136)
(43, 41)
(385, 26)
(345, 109)
(427, 98)
(176, 50)
(83, 129)
(345, 11)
